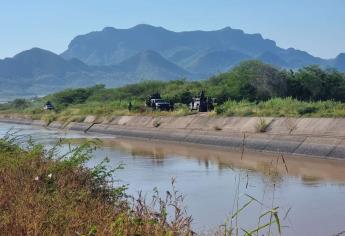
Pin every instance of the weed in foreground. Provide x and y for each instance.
(268, 220)
(43, 192)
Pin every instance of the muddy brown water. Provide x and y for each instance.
(309, 192)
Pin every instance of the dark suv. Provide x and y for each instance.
(160, 104)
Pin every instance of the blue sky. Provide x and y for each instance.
(317, 26)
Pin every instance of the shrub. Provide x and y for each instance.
(261, 126)
(20, 103)
(48, 118)
(220, 110)
(71, 96)
(307, 110)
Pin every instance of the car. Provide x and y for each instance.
(48, 106)
(207, 104)
(195, 104)
(160, 104)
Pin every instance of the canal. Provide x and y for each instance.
(309, 192)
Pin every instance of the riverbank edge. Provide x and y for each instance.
(315, 137)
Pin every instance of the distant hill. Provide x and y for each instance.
(193, 50)
(120, 56)
(217, 61)
(39, 71)
(36, 62)
(339, 62)
(151, 65)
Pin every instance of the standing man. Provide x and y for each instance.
(130, 106)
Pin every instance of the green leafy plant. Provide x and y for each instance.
(307, 110)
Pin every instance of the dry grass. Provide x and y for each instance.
(45, 194)
(261, 126)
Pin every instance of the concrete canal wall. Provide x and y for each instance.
(319, 137)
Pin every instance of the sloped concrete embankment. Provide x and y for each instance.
(319, 137)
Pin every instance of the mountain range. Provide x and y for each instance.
(120, 56)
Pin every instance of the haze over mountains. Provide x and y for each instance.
(120, 56)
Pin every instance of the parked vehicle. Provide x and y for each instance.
(160, 104)
(195, 104)
(149, 100)
(202, 103)
(48, 106)
(156, 102)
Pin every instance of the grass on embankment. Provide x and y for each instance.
(42, 193)
(282, 107)
(78, 112)
(276, 107)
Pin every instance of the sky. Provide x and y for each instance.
(315, 26)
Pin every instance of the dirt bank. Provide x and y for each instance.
(319, 137)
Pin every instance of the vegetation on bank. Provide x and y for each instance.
(282, 107)
(250, 89)
(46, 193)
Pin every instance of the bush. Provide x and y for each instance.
(261, 126)
(48, 118)
(279, 107)
(220, 110)
(20, 103)
(70, 97)
(307, 110)
(46, 193)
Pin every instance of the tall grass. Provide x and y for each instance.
(261, 125)
(276, 107)
(282, 107)
(268, 219)
(78, 112)
(47, 193)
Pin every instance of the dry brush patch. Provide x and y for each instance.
(262, 125)
(45, 194)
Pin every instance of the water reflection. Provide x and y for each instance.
(269, 165)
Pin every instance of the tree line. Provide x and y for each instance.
(250, 80)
